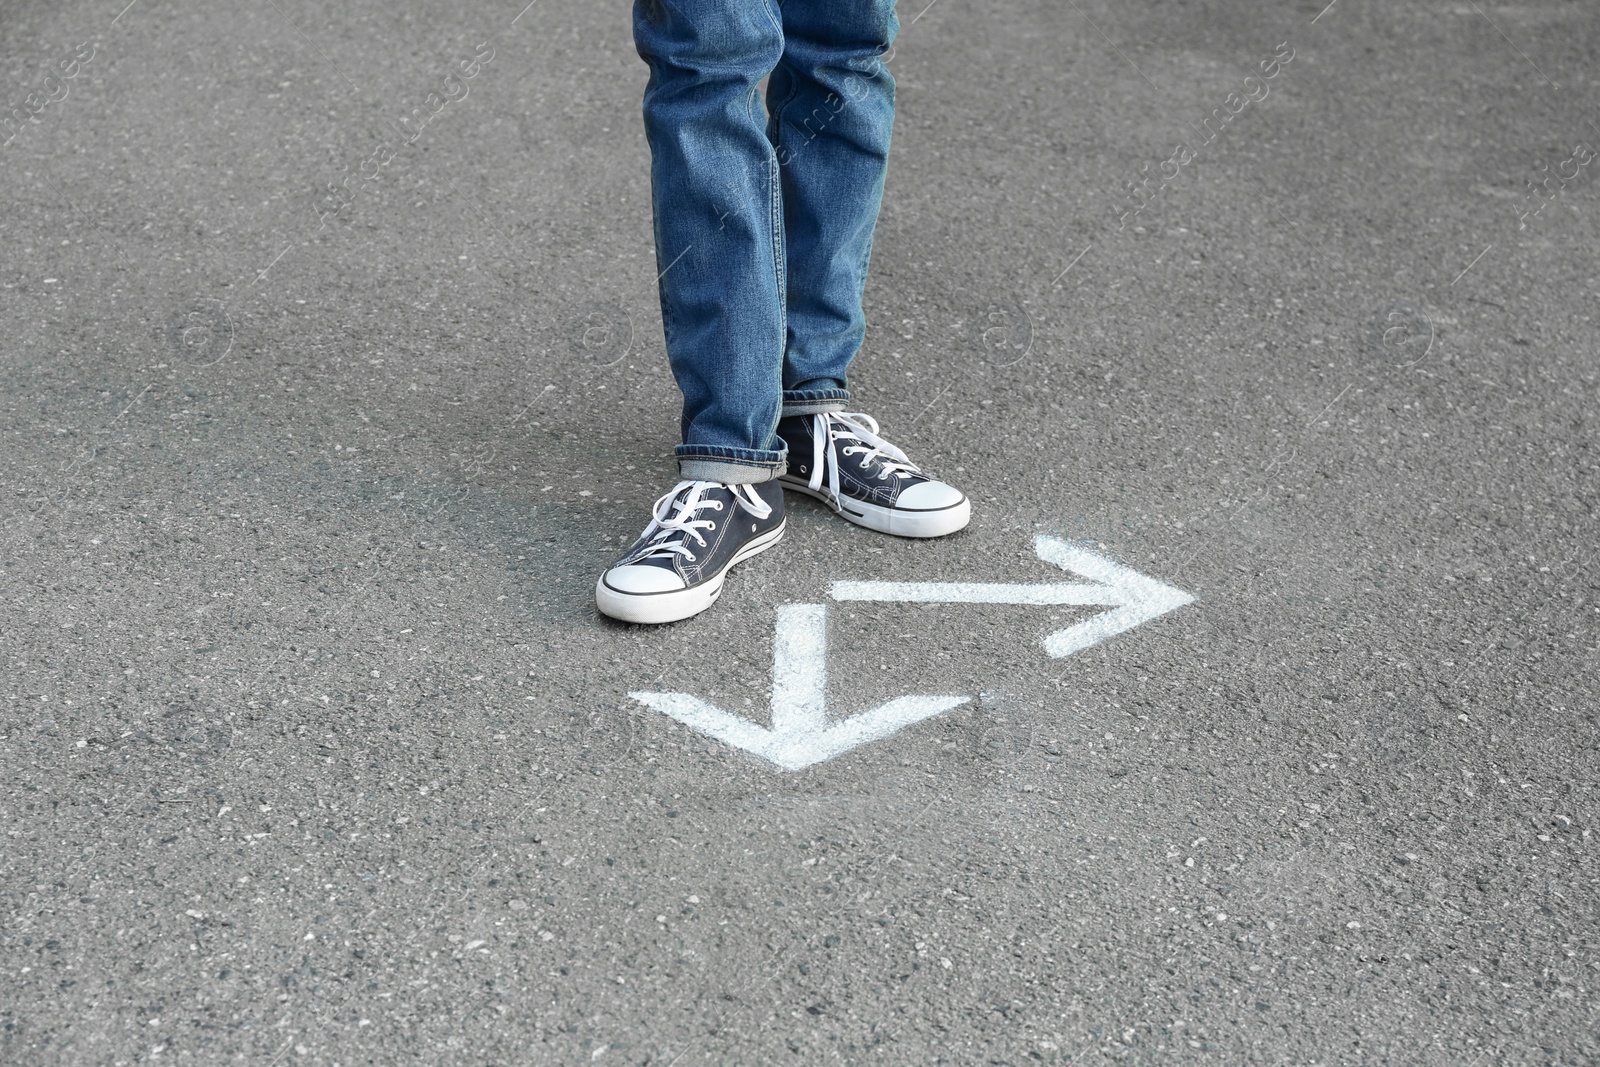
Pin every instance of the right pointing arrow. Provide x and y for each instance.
(1136, 598)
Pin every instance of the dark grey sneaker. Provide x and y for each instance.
(697, 533)
(840, 459)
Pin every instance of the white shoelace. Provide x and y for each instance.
(862, 430)
(668, 518)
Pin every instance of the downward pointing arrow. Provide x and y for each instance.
(801, 734)
(1137, 598)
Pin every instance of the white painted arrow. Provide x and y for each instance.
(801, 733)
(1135, 598)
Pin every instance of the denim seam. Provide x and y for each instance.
(718, 452)
(815, 407)
(779, 246)
(801, 396)
(780, 274)
(777, 21)
(774, 465)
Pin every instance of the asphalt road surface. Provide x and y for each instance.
(317, 428)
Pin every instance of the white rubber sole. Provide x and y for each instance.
(902, 522)
(677, 604)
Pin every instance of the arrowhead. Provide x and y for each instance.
(800, 734)
(708, 719)
(798, 748)
(1140, 597)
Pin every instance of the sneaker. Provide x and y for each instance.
(697, 532)
(840, 459)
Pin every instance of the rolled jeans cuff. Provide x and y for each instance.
(733, 466)
(813, 401)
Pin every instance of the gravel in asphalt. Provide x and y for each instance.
(315, 751)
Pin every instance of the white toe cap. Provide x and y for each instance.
(639, 579)
(929, 496)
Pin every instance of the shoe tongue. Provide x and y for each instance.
(655, 559)
(716, 492)
(656, 554)
(844, 435)
(678, 501)
(874, 463)
(665, 537)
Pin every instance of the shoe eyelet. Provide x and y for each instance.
(711, 524)
(689, 556)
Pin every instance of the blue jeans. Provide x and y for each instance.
(763, 216)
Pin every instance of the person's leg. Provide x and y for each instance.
(831, 106)
(831, 102)
(719, 248)
(718, 227)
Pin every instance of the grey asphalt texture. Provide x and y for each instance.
(314, 750)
